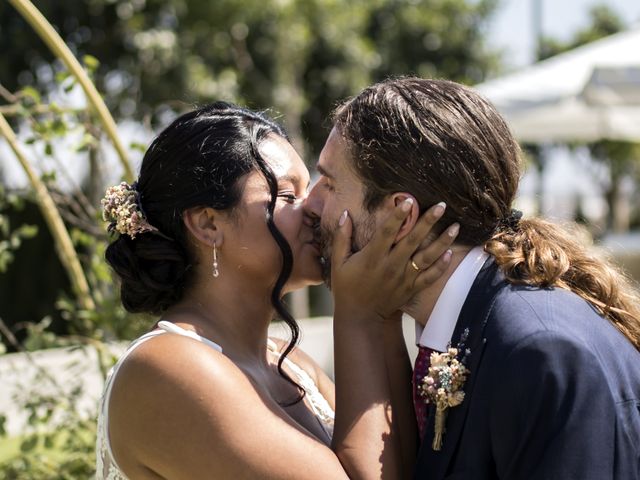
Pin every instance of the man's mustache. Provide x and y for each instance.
(317, 232)
(323, 238)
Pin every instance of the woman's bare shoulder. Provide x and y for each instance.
(181, 409)
(164, 386)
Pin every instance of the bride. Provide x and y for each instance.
(209, 239)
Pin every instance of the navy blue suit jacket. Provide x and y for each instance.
(553, 391)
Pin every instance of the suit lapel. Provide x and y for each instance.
(473, 318)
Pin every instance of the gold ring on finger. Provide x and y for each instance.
(415, 267)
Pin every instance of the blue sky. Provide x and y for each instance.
(512, 26)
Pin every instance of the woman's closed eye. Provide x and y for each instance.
(288, 197)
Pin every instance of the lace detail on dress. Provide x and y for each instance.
(106, 466)
(321, 408)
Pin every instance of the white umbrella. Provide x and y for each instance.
(574, 119)
(586, 94)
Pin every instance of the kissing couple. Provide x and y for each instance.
(528, 363)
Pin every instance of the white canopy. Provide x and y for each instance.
(586, 94)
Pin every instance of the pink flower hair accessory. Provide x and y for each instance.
(121, 208)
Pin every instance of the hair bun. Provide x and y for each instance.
(152, 272)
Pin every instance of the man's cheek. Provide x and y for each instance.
(363, 230)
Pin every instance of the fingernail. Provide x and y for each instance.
(439, 209)
(454, 229)
(407, 204)
(343, 218)
(446, 256)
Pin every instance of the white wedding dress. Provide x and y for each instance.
(106, 466)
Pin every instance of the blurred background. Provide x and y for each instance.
(566, 75)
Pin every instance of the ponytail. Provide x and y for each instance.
(541, 254)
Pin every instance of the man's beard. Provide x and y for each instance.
(363, 229)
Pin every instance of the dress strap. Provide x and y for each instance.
(173, 328)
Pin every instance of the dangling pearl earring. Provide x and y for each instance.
(216, 273)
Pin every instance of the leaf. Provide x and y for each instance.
(138, 146)
(62, 75)
(33, 418)
(29, 443)
(6, 258)
(40, 128)
(48, 149)
(4, 225)
(47, 177)
(49, 441)
(16, 201)
(88, 141)
(14, 242)
(27, 231)
(69, 86)
(59, 127)
(90, 62)
(55, 108)
(31, 93)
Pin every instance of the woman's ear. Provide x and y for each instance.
(203, 223)
(412, 218)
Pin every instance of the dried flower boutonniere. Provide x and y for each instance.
(442, 386)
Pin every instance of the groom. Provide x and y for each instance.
(548, 336)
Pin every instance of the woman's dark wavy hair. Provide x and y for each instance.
(196, 161)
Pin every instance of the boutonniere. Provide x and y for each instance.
(442, 386)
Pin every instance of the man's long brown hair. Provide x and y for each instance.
(441, 141)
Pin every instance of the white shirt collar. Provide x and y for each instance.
(439, 328)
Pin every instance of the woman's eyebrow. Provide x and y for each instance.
(294, 179)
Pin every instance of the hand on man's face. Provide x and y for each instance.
(363, 229)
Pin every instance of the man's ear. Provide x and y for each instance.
(412, 218)
(203, 223)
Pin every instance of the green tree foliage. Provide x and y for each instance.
(299, 57)
(11, 238)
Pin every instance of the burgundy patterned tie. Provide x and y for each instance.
(423, 360)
